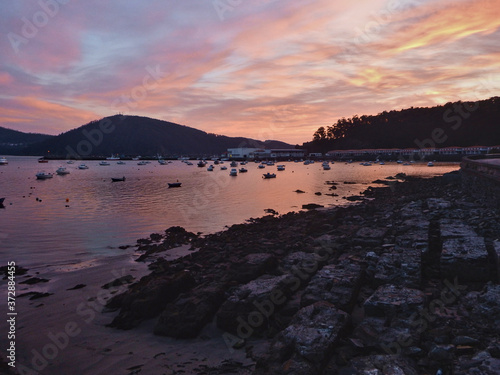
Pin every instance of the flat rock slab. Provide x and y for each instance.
(392, 300)
(401, 267)
(465, 258)
(314, 330)
(367, 236)
(455, 229)
(336, 284)
(380, 365)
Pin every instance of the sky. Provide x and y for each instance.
(264, 69)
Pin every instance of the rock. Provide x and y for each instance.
(402, 266)
(79, 286)
(299, 191)
(305, 346)
(465, 258)
(311, 206)
(34, 280)
(35, 295)
(391, 300)
(252, 266)
(465, 340)
(442, 354)
(354, 198)
(487, 307)
(436, 204)
(317, 193)
(496, 258)
(189, 313)
(380, 365)
(368, 236)
(119, 282)
(336, 284)
(250, 306)
(147, 298)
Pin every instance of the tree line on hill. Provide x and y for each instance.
(459, 124)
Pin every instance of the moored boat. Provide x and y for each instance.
(83, 166)
(243, 170)
(430, 164)
(43, 175)
(281, 167)
(62, 171)
(103, 163)
(269, 175)
(174, 184)
(210, 168)
(223, 167)
(233, 172)
(42, 160)
(1, 201)
(3, 161)
(115, 179)
(261, 166)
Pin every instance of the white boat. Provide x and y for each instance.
(210, 168)
(3, 161)
(70, 162)
(83, 166)
(62, 171)
(233, 172)
(162, 162)
(113, 157)
(103, 163)
(43, 175)
(430, 164)
(281, 167)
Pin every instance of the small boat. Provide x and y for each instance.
(3, 161)
(113, 157)
(233, 172)
(174, 184)
(43, 160)
(62, 171)
(117, 179)
(269, 175)
(210, 168)
(121, 162)
(142, 162)
(243, 170)
(70, 162)
(406, 163)
(381, 163)
(43, 175)
(261, 166)
(103, 163)
(223, 168)
(326, 167)
(234, 164)
(83, 166)
(189, 163)
(1, 201)
(430, 164)
(243, 163)
(399, 161)
(281, 167)
(162, 162)
(201, 164)
(270, 163)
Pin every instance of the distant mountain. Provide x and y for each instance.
(453, 124)
(134, 135)
(12, 142)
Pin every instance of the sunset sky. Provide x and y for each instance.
(265, 69)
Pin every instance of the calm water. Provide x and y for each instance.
(103, 215)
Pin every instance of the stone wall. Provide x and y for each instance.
(482, 179)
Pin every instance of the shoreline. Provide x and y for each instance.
(200, 300)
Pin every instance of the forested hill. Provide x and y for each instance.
(453, 124)
(135, 135)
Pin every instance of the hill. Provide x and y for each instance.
(453, 124)
(13, 141)
(134, 135)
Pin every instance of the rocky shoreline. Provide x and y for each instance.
(404, 282)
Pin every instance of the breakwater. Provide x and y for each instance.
(404, 282)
